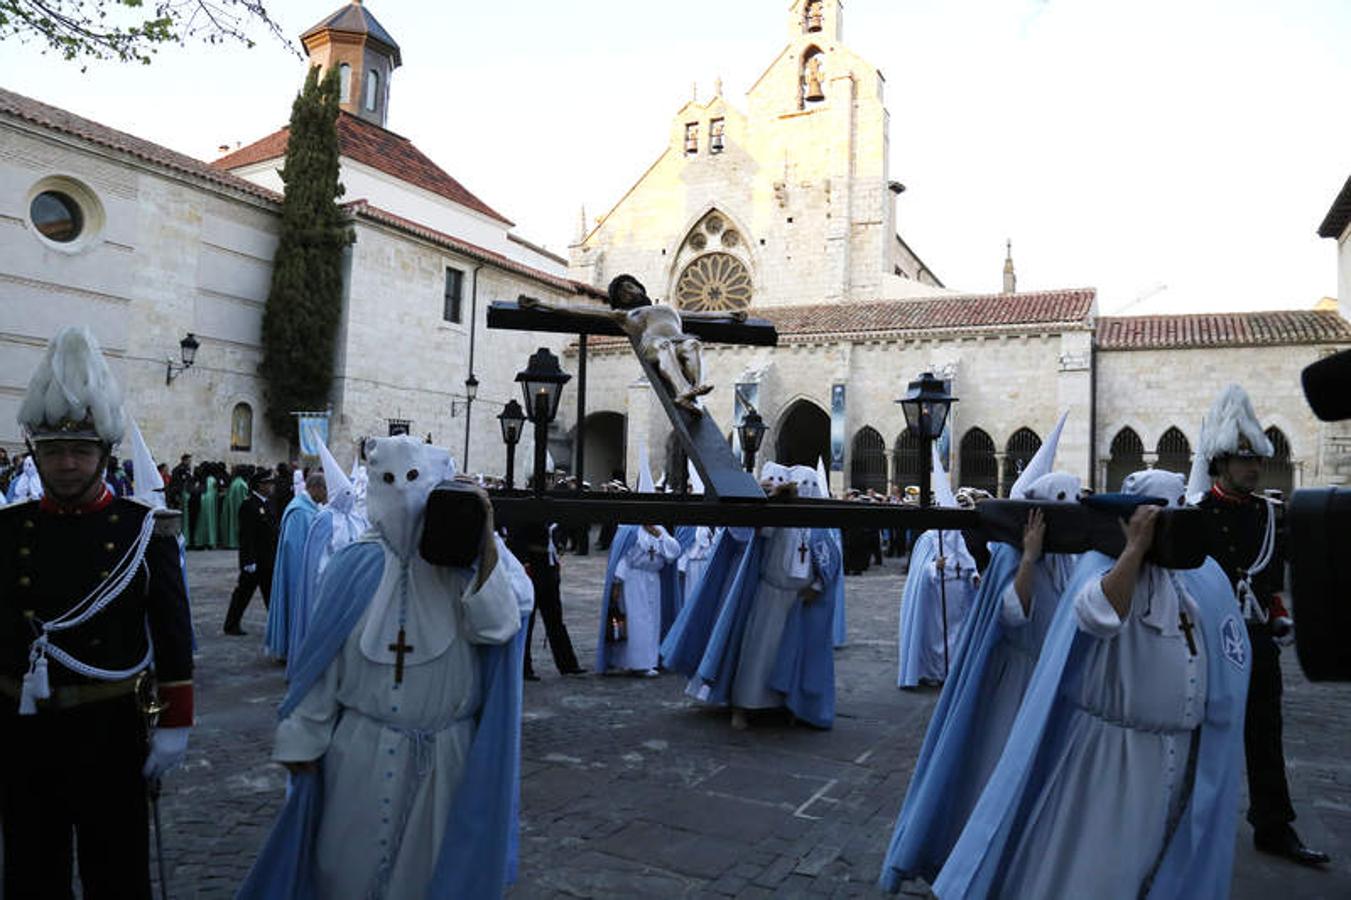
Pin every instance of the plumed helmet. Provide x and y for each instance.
(73, 396)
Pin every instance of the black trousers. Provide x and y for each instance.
(72, 783)
(1269, 805)
(243, 593)
(549, 606)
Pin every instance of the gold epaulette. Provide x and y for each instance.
(168, 523)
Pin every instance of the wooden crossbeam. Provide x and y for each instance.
(508, 315)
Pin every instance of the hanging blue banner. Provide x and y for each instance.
(313, 429)
(837, 416)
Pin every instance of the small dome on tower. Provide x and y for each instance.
(364, 53)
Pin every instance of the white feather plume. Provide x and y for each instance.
(73, 383)
(1230, 417)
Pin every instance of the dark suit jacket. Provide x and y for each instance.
(257, 534)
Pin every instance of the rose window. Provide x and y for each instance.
(714, 283)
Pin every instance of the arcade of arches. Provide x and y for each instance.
(803, 435)
(1173, 453)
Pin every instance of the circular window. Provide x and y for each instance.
(713, 225)
(57, 216)
(714, 283)
(698, 241)
(730, 238)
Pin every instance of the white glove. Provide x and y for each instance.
(251, 568)
(168, 746)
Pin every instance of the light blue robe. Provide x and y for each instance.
(670, 585)
(920, 639)
(477, 856)
(1046, 750)
(688, 636)
(804, 667)
(288, 575)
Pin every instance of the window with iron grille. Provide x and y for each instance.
(906, 454)
(454, 299)
(1175, 452)
(978, 466)
(1127, 456)
(868, 461)
(1018, 452)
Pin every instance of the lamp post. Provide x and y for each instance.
(187, 348)
(926, 406)
(751, 431)
(470, 392)
(512, 421)
(541, 384)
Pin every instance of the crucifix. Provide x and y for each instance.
(651, 553)
(399, 648)
(1186, 625)
(802, 552)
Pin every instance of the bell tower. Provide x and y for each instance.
(821, 21)
(353, 42)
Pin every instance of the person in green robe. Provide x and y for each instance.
(204, 529)
(229, 516)
(185, 505)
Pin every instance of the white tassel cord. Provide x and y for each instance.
(1252, 610)
(36, 685)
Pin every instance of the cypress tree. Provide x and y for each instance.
(304, 305)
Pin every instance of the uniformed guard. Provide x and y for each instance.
(1246, 539)
(92, 608)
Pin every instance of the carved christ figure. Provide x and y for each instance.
(656, 329)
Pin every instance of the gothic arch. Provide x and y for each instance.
(1125, 455)
(1174, 451)
(907, 455)
(976, 461)
(811, 77)
(1022, 445)
(713, 267)
(801, 433)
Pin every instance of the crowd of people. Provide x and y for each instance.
(1062, 674)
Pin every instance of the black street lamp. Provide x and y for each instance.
(187, 348)
(926, 406)
(541, 387)
(751, 431)
(512, 421)
(470, 392)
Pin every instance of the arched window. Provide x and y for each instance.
(803, 435)
(1278, 472)
(1175, 452)
(344, 83)
(241, 427)
(372, 99)
(868, 462)
(1127, 456)
(1022, 446)
(905, 457)
(978, 467)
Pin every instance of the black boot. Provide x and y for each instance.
(1283, 841)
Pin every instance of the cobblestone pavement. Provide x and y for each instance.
(628, 789)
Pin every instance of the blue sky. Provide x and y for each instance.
(1179, 151)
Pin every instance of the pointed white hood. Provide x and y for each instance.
(645, 484)
(823, 480)
(942, 485)
(1042, 463)
(149, 486)
(341, 494)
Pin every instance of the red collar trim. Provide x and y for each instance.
(51, 506)
(1227, 497)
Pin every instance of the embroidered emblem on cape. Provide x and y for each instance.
(1231, 639)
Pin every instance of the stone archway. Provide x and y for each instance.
(802, 435)
(605, 446)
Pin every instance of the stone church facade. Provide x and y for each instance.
(788, 210)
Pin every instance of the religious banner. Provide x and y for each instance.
(837, 414)
(313, 429)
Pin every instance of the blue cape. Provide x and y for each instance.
(670, 585)
(1199, 858)
(316, 542)
(840, 632)
(477, 857)
(909, 638)
(804, 667)
(926, 827)
(688, 636)
(288, 574)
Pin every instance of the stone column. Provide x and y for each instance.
(999, 457)
(1151, 458)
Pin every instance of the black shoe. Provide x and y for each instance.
(235, 631)
(578, 670)
(1286, 843)
(531, 676)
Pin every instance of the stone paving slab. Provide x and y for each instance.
(629, 789)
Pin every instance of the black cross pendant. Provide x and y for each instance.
(1186, 625)
(802, 552)
(399, 648)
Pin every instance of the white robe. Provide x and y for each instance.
(640, 573)
(958, 572)
(1101, 820)
(695, 561)
(786, 568)
(393, 753)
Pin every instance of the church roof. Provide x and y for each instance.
(363, 209)
(1235, 329)
(942, 313)
(369, 144)
(355, 19)
(1335, 222)
(59, 120)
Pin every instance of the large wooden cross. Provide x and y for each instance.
(703, 441)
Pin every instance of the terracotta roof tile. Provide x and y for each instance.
(1339, 214)
(50, 117)
(363, 209)
(377, 147)
(1237, 329)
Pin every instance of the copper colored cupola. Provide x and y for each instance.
(363, 52)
